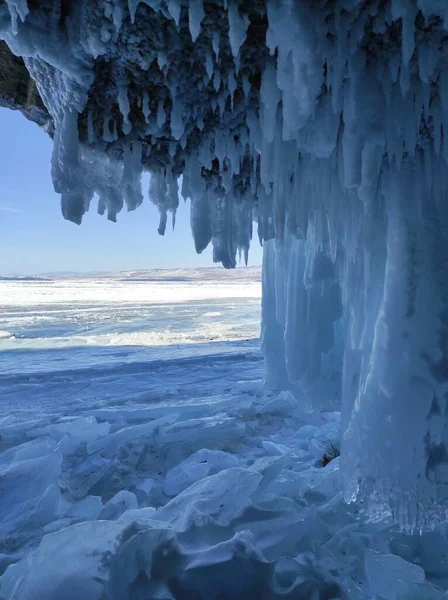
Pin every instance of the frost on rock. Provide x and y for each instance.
(323, 122)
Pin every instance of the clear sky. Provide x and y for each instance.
(34, 237)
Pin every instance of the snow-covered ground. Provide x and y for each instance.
(142, 458)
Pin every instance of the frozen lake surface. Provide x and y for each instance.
(141, 457)
(77, 323)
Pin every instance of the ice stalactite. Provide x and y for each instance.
(396, 438)
(370, 205)
(325, 123)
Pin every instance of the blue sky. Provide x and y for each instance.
(34, 237)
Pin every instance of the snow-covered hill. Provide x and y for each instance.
(183, 274)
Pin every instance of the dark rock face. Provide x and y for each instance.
(18, 90)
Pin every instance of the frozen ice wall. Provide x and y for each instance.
(323, 121)
(357, 273)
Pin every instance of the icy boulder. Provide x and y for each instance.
(144, 490)
(5, 561)
(110, 444)
(84, 430)
(327, 482)
(222, 496)
(269, 467)
(29, 492)
(273, 449)
(197, 466)
(386, 572)
(282, 405)
(72, 564)
(432, 552)
(419, 591)
(87, 509)
(33, 449)
(218, 428)
(87, 474)
(116, 506)
(135, 514)
(84, 427)
(15, 432)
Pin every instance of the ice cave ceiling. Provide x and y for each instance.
(210, 90)
(164, 79)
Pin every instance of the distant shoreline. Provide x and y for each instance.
(148, 275)
(24, 278)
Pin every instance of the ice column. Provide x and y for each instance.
(357, 275)
(395, 443)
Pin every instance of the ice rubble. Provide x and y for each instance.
(261, 519)
(323, 121)
(201, 464)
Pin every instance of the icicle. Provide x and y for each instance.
(220, 147)
(174, 8)
(107, 135)
(90, 131)
(161, 115)
(132, 189)
(145, 106)
(231, 84)
(132, 6)
(237, 28)
(408, 33)
(205, 155)
(123, 102)
(222, 103)
(18, 9)
(67, 169)
(177, 126)
(200, 221)
(405, 80)
(246, 86)
(270, 98)
(215, 44)
(195, 17)
(162, 60)
(117, 17)
(209, 64)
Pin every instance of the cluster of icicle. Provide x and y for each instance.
(338, 150)
(147, 112)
